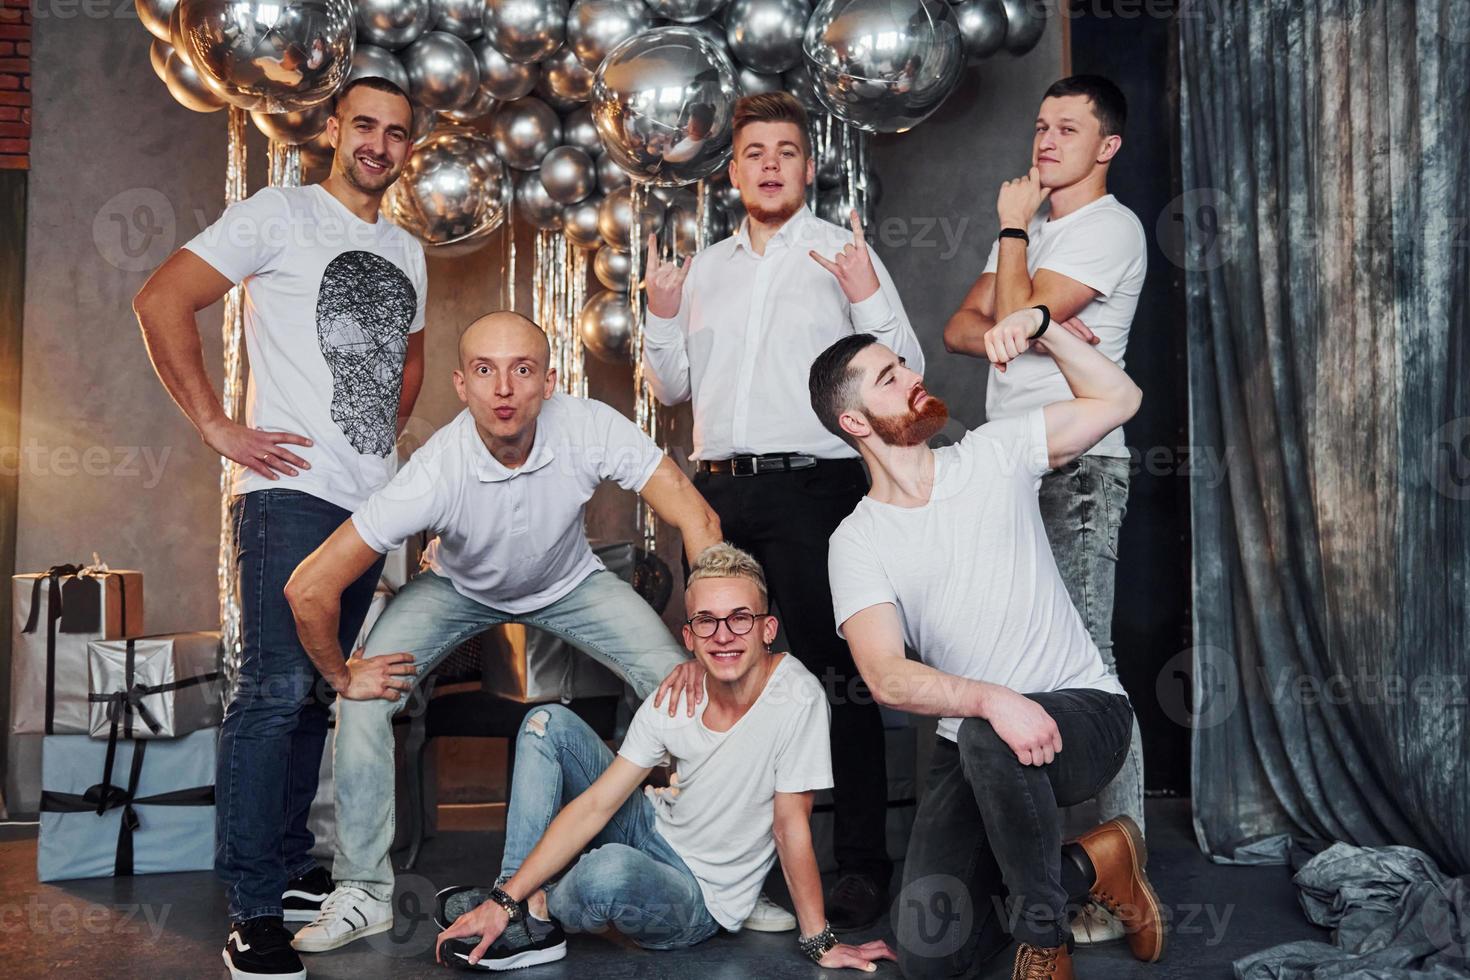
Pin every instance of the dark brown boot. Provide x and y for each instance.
(1118, 855)
(1042, 963)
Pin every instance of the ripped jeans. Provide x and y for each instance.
(629, 877)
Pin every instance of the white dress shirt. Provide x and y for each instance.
(748, 329)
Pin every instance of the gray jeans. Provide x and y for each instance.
(1082, 506)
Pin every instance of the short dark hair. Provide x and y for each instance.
(834, 383)
(375, 82)
(1108, 104)
(771, 107)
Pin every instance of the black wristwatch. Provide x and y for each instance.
(513, 909)
(1016, 233)
(818, 946)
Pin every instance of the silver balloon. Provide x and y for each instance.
(664, 104)
(615, 218)
(442, 71)
(683, 229)
(568, 174)
(1025, 23)
(715, 31)
(579, 222)
(544, 92)
(392, 24)
(610, 176)
(524, 131)
(480, 105)
(595, 27)
(526, 30)
(675, 197)
(535, 205)
(884, 65)
(983, 26)
(829, 163)
(567, 77)
(753, 82)
(684, 11)
(578, 130)
(272, 55)
(453, 189)
(504, 79)
(371, 61)
(799, 82)
(424, 120)
(158, 52)
(724, 195)
(462, 18)
(293, 128)
(765, 35)
(613, 267)
(606, 323)
(187, 88)
(154, 15)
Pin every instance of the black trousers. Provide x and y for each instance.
(784, 520)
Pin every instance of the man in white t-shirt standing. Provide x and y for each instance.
(668, 868)
(334, 309)
(947, 554)
(1083, 255)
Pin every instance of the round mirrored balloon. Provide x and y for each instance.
(1025, 23)
(504, 79)
(371, 61)
(765, 35)
(606, 323)
(478, 107)
(568, 174)
(524, 131)
(462, 18)
(884, 65)
(567, 77)
(612, 267)
(534, 204)
(526, 30)
(664, 103)
(275, 56)
(578, 129)
(545, 94)
(154, 15)
(158, 52)
(595, 27)
(442, 71)
(615, 219)
(453, 188)
(424, 120)
(187, 88)
(293, 128)
(684, 11)
(982, 24)
(579, 222)
(392, 24)
(715, 31)
(753, 82)
(799, 82)
(610, 176)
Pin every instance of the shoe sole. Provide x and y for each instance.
(767, 926)
(325, 946)
(532, 957)
(238, 974)
(1139, 847)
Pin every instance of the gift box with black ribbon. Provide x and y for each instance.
(56, 614)
(125, 807)
(155, 686)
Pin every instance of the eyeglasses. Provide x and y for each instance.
(739, 623)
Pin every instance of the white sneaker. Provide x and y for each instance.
(1094, 925)
(769, 917)
(348, 913)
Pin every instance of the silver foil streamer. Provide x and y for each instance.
(285, 165)
(231, 401)
(559, 289)
(645, 407)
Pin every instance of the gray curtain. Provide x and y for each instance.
(1326, 161)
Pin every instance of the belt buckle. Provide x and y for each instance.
(743, 466)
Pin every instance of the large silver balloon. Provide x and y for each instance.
(664, 103)
(595, 27)
(1025, 23)
(535, 205)
(158, 52)
(606, 323)
(568, 174)
(276, 56)
(579, 130)
(462, 18)
(613, 267)
(799, 82)
(753, 82)
(543, 91)
(567, 77)
(504, 79)
(983, 26)
(371, 61)
(684, 11)
(154, 15)
(442, 71)
(480, 105)
(615, 218)
(610, 176)
(715, 31)
(187, 88)
(884, 65)
(392, 24)
(293, 128)
(526, 30)
(766, 34)
(579, 222)
(453, 188)
(524, 131)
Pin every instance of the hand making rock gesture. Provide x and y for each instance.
(852, 266)
(664, 282)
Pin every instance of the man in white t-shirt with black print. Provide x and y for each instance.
(947, 555)
(671, 868)
(1067, 243)
(334, 313)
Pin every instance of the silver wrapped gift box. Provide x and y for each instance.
(155, 686)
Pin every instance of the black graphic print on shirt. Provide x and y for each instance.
(364, 307)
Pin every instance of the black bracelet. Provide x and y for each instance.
(1045, 320)
(501, 897)
(1016, 233)
(818, 946)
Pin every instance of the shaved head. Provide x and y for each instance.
(504, 333)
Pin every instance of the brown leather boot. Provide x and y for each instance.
(1042, 963)
(1118, 855)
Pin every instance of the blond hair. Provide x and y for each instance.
(724, 560)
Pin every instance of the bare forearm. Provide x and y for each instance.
(965, 332)
(908, 685)
(1089, 372)
(1013, 286)
(566, 837)
(803, 880)
(317, 620)
(171, 335)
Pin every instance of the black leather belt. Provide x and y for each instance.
(749, 465)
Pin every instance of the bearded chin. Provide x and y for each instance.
(914, 428)
(768, 216)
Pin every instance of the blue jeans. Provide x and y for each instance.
(274, 729)
(603, 616)
(1082, 506)
(629, 878)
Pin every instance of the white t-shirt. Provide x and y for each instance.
(1100, 245)
(514, 540)
(721, 822)
(971, 572)
(329, 303)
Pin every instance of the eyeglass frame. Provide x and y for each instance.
(755, 618)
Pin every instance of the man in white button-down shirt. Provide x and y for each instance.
(736, 330)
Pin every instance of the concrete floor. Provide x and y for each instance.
(168, 926)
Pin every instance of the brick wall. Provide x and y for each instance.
(15, 85)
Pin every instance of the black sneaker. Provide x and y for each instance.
(452, 902)
(260, 949)
(856, 902)
(529, 942)
(303, 897)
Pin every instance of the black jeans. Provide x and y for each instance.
(985, 863)
(784, 520)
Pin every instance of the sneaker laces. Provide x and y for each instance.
(336, 903)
